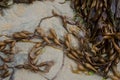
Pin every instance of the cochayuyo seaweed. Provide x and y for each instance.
(98, 52)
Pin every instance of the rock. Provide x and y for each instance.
(67, 9)
(23, 47)
(21, 55)
(20, 59)
(27, 75)
(48, 54)
(19, 15)
(51, 54)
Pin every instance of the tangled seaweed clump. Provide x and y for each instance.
(101, 23)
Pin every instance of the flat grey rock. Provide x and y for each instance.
(51, 54)
(27, 75)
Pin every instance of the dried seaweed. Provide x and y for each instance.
(101, 31)
(101, 25)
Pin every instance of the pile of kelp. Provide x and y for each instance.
(101, 18)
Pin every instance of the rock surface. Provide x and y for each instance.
(51, 54)
(27, 75)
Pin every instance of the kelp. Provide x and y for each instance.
(101, 25)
